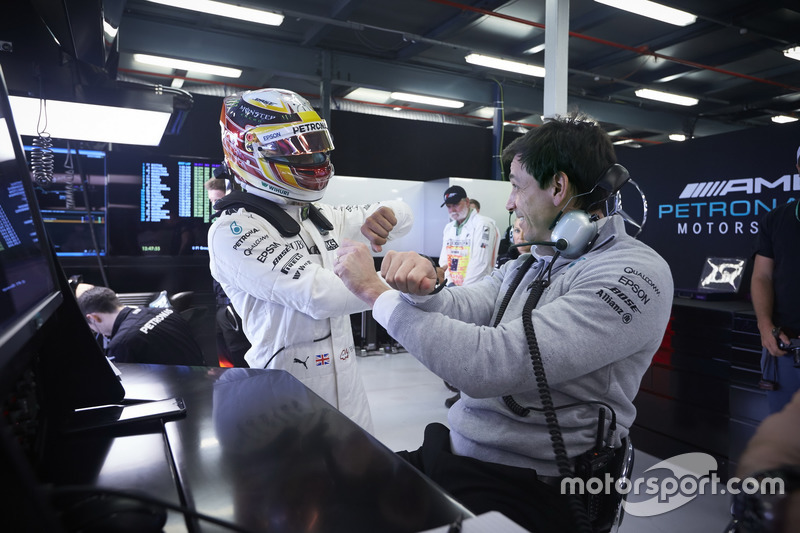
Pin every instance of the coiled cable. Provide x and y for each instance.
(69, 182)
(579, 512)
(42, 158)
(513, 287)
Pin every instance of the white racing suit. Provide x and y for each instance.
(295, 310)
(469, 251)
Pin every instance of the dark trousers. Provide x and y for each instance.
(482, 487)
(781, 370)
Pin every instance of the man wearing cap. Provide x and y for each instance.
(469, 248)
(469, 243)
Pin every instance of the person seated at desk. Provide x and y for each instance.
(140, 335)
(535, 345)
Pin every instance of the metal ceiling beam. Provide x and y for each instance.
(455, 23)
(349, 70)
(340, 10)
(150, 37)
(673, 37)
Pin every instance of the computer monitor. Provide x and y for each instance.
(29, 291)
(50, 363)
(41, 328)
(73, 201)
(158, 205)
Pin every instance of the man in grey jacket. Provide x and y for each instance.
(589, 338)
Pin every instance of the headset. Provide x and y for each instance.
(573, 233)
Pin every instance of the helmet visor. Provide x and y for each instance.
(307, 138)
(312, 177)
(315, 177)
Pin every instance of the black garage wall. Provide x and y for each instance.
(366, 145)
(199, 135)
(394, 148)
(706, 196)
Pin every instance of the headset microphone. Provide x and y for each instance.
(579, 230)
(561, 244)
(575, 233)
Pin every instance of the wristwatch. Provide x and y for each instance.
(439, 284)
(761, 503)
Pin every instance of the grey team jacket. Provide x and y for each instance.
(597, 325)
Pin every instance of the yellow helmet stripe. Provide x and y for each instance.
(309, 116)
(284, 172)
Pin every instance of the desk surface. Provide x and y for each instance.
(259, 449)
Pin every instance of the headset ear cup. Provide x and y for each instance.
(577, 231)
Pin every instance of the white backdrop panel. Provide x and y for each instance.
(425, 199)
(350, 190)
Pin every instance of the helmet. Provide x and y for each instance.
(276, 145)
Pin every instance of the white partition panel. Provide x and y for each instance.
(425, 199)
(350, 190)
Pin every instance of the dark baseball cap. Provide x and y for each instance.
(453, 195)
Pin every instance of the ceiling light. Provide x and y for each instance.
(504, 64)
(666, 97)
(226, 10)
(630, 143)
(677, 137)
(535, 50)
(369, 95)
(531, 119)
(793, 53)
(90, 122)
(442, 102)
(783, 119)
(189, 66)
(653, 11)
(484, 112)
